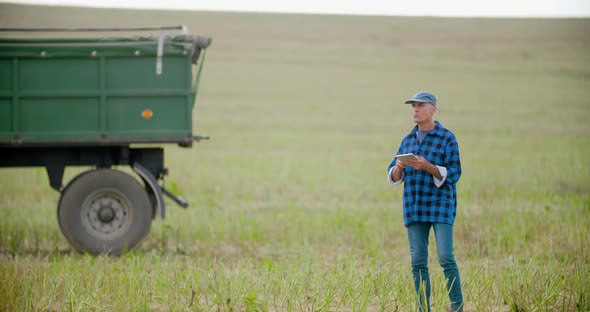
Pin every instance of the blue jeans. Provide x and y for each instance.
(418, 233)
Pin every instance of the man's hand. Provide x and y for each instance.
(422, 164)
(396, 173)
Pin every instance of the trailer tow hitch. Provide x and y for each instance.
(177, 199)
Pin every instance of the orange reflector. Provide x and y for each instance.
(147, 114)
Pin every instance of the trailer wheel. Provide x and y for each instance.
(104, 211)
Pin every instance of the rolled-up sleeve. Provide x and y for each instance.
(443, 172)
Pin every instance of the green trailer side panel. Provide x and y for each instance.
(58, 74)
(5, 115)
(95, 91)
(59, 115)
(125, 113)
(140, 73)
(5, 74)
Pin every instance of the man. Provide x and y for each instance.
(429, 198)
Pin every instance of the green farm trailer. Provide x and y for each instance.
(90, 101)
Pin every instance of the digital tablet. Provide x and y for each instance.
(405, 157)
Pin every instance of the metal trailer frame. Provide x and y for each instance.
(103, 152)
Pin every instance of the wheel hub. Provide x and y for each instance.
(106, 214)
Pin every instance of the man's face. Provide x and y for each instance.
(422, 112)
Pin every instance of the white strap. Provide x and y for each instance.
(160, 53)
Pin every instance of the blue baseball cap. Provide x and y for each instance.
(423, 97)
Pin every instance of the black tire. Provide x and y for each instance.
(104, 211)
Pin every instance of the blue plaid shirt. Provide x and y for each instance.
(423, 200)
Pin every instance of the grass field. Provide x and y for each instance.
(290, 205)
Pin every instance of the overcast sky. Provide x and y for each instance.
(511, 8)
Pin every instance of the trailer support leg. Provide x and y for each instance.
(55, 171)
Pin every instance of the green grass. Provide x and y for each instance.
(290, 207)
